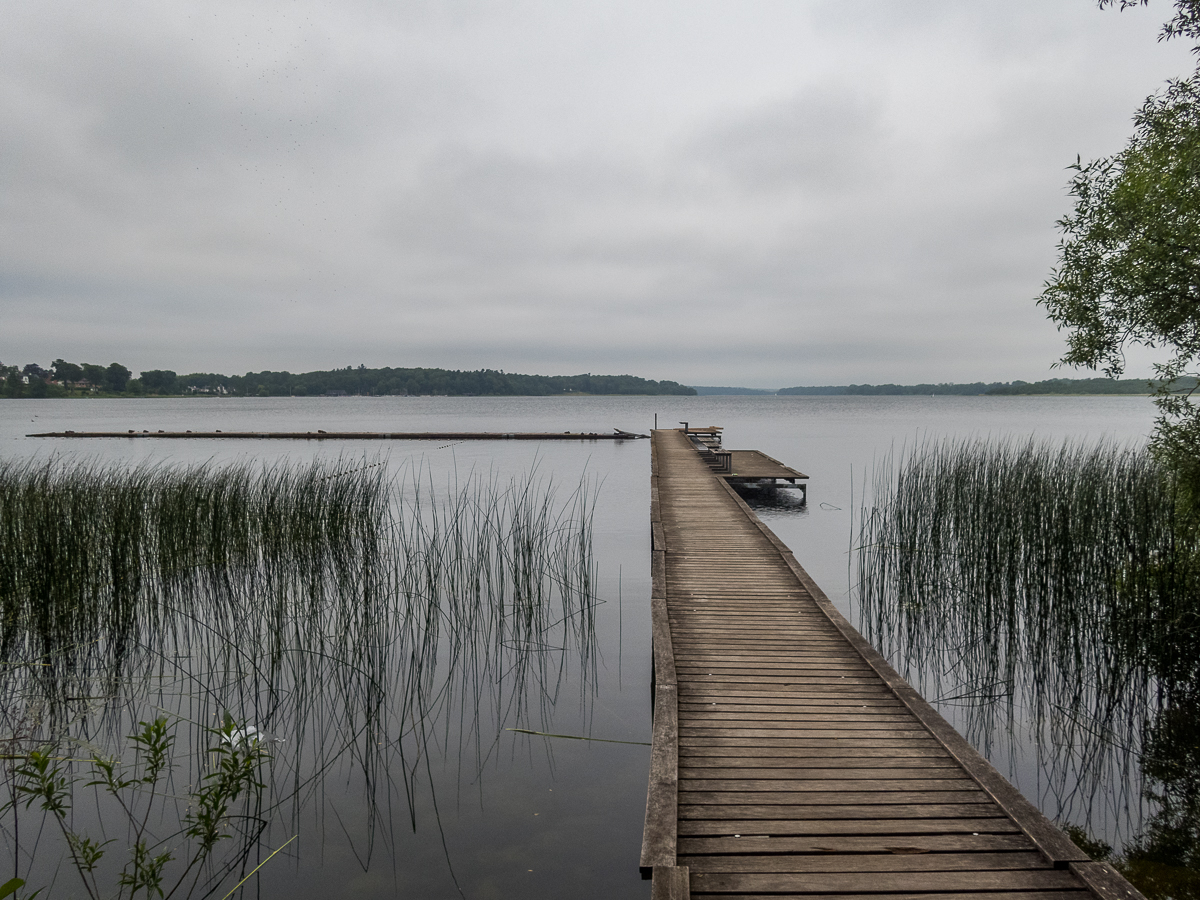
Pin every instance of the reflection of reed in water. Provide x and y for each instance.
(353, 618)
(1042, 588)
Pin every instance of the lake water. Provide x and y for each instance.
(541, 816)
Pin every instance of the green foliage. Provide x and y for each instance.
(1032, 577)
(1184, 23)
(44, 779)
(67, 372)
(979, 388)
(115, 378)
(484, 382)
(1060, 585)
(1128, 271)
(93, 374)
(1171, 761)
(10, 887)
(1093, 847)
(71, 380)
(42, 782)
(348, 612)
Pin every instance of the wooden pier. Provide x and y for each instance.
(789, 759)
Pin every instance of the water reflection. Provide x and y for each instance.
(771, 497)
(1049, 592)
(365, 626)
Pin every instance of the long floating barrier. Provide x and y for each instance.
(319, 435)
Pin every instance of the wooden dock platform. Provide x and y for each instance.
(789, 759)
(750, 465)
(754, 469)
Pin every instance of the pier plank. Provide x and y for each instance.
(799, 763)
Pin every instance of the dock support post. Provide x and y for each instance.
(671, 883)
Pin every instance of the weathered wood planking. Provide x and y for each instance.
(790, 760)
(756, 464)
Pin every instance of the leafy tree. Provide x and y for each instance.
(116, 376)
(159, 381)
(352, 380)
(93, 374)
(1129, 259)
(66, 372)
(1129, 274)
(1184, 23)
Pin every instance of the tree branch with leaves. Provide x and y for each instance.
(1129, 258)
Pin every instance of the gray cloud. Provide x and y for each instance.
(771, 194)
(825, 140)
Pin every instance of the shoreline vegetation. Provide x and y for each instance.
(283, 642)
(1051, 588)
(1132, 386)
(65, 379)
(1061, 386)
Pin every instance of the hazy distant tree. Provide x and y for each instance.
(116, 376)
(66, 372)
(13, 386)
(93, 374)
(159, 381)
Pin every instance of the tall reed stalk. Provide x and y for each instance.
(352, 616)
(1036, 586)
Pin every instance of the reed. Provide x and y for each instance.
(1037, 587)
(354, 616)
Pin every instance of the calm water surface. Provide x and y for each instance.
(537, 816)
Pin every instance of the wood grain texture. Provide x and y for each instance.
(662, 795)
(670, 883)
(802, 765)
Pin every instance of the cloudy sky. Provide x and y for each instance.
(756, 192)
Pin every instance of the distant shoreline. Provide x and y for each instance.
(1146, 393)
(64, 379)
(1049, 387)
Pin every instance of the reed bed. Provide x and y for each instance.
(357, 619)
(1036, 587)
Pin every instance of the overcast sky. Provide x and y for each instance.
(753, 193)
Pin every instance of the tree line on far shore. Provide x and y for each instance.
(67, 379)
(980, 388)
